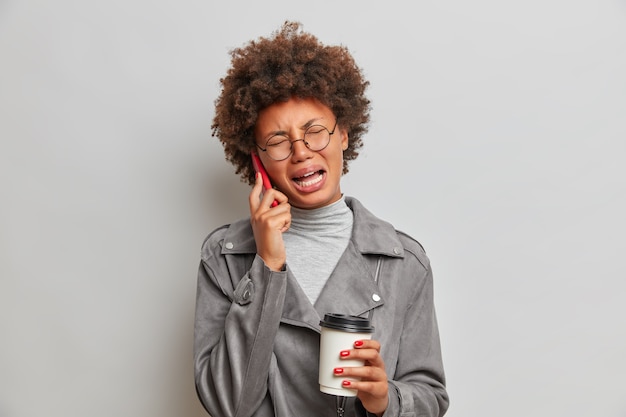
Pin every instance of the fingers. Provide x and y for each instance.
(255, 195)
(259, 197)
(269, 223)
(367, 377)
(368, 351)
(370, 380)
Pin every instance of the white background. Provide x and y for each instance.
(498, 140)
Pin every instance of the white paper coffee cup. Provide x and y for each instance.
(339, 332)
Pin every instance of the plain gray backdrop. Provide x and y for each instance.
(498, 140)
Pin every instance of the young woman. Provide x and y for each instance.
(306, 250)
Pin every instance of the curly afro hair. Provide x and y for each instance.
(291, 63)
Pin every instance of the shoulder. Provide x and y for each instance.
(414, 248)
(213, 242)
(375, 235)
(226, 237)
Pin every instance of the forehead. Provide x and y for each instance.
(295, 112)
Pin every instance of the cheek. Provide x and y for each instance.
(337, 156)
(277, 174)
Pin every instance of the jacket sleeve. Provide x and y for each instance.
(235, 326)
(418, 386)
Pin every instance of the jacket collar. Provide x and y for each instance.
(370, 235)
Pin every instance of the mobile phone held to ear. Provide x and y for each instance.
(258, 167)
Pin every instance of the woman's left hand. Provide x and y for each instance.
(373, 387)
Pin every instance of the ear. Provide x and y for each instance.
(344, 139)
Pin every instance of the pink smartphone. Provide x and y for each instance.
(258, 167)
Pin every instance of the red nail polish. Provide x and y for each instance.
(345, 383)
(338, 370)
(358, 343)
(344, 353)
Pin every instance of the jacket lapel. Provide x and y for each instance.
(351, 288)
(297, 309)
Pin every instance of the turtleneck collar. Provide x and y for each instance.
(328, 219)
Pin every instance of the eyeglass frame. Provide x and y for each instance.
(291, 142)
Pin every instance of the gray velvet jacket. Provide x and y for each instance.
(256, 344)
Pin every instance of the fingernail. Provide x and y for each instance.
(338, 370)
(344, 353)
(358, 343)
(345, 383)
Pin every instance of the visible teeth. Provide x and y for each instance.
(309, 183)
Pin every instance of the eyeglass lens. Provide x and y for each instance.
(316, 138)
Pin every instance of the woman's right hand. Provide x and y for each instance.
(269, 224)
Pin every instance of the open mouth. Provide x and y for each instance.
(310, 179)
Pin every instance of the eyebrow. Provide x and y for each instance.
(305, 126)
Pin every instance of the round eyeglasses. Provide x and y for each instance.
(316, 137)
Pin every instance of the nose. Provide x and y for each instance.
(300, 150)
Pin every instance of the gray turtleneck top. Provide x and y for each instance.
(314, 243)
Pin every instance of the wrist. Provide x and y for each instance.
(277, 266)
(273, 264)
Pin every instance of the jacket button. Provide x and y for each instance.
(396, 251)
(376, 297)
(229, 245)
